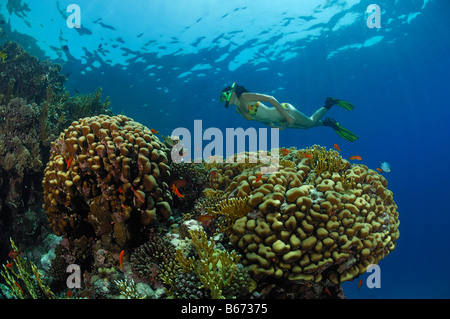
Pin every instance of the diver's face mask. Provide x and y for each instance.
(226, 96)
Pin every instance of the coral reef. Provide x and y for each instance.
(105, 178)
(34, 107)
(23, 75)
(155, 260)
(214, 268)
(308, 226)
(136, 223)
(23, 277)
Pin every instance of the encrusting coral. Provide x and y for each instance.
(106, 177)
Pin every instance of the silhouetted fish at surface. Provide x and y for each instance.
(83, 31)
(107, 26)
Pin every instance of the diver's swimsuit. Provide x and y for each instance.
(253, 109)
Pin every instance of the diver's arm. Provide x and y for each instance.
(269, 99)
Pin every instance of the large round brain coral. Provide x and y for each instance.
(106, 176)
(317, 218)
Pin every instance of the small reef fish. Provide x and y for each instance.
(13, 254)
(205, 219)
(380, 170)
(176, 191)
(9, 265)
(385, 166)
(69, 161)
(139, 195)
(359, 284)
(21, 290)
(70, 294)
(154, 131)
(326, 289)
(355, 157)
(3, 56)
(307, 155)
(259, 178)
(336, 147)
(121, 259)
(284, 151)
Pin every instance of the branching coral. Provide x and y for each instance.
(215, 268)
(24, 279)
(155, 260)
(322, 160)
(229, 210)
(128, 289)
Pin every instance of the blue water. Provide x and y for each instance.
(164, 63)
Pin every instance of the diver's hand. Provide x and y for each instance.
(278, 126)
(290, 119)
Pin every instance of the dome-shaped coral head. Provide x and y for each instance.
(107, 175)
(320, 219)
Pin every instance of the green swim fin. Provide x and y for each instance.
(340, 130)
(330, 101)
(346, 105)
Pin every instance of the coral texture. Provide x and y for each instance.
(317, 218)
(24, 76)
(105, 177)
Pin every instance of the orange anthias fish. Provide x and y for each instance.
(69, 161)
(154, 131)
(259, 178)
(326, 289)
(121, 259)
(336, 147)
(205, 219)
(176, 191)
(355, 157)
(284, 151)
(359, 284)
(21, 290)
(380, 170)
(13, 254)
(9, 265)
(307, 155)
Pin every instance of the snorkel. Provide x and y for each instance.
(226, 96)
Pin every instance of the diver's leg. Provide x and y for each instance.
(301, 120)
(317, 116)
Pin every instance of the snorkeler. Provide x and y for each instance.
(249, 106)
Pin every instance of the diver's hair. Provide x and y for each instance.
(238, 89)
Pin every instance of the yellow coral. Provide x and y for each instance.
(215, 268)
(230, 210)
(24, 278)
